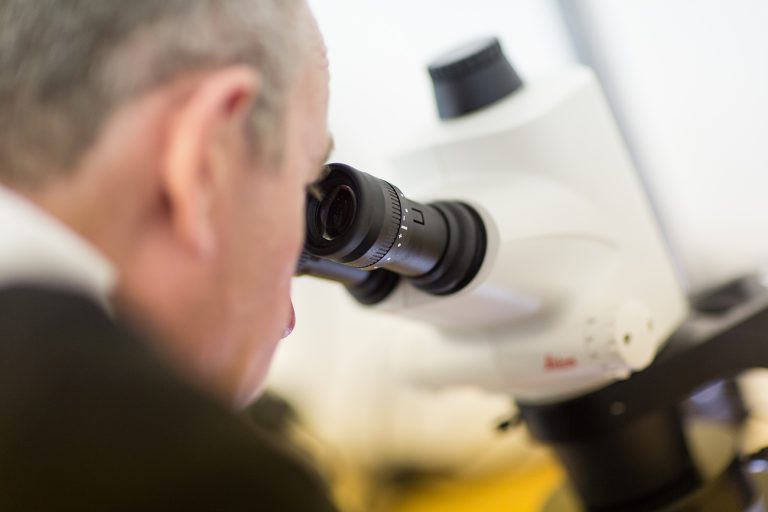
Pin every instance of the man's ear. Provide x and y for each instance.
(217, 108)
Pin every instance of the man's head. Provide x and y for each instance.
(177, 136)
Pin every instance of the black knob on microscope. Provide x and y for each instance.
(472, 76)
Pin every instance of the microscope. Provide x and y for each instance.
(533, 251)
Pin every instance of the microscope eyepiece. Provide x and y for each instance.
(337, 211)
(360, 221)
(352, 217)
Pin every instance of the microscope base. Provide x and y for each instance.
(726, 486)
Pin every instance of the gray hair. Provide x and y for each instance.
(65, 65)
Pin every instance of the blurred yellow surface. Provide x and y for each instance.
(505, 492)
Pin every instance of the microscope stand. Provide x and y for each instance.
(630, 447)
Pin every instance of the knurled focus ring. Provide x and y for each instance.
(390, 228)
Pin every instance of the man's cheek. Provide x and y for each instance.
(297, 226)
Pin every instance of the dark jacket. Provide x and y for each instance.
(91, 420)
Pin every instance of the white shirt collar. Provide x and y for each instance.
(36, 248)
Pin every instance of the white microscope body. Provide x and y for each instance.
(577, 288)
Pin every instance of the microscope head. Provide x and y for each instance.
(569, 285)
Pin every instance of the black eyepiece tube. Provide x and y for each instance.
(367, 287)
(363, 222)
(327, 269)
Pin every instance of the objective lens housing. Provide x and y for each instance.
(361, 221)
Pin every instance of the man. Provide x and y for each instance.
(154, 156)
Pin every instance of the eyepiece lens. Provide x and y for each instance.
(337, 212)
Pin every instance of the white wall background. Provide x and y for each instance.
(689, 83)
